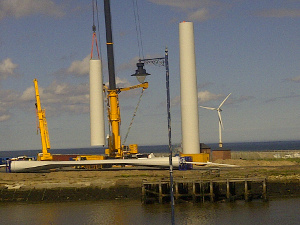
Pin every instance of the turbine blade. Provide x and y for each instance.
(208, 107)
(220, 119)
(224, 101)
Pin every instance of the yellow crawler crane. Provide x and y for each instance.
(41, 113)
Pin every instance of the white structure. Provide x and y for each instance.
(96, 103)
(219, 110)
(188, 90)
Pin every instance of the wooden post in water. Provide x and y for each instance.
(160, 192)
(246, 191)
(211, 186)
(265, 197)
(194, 192)
(176, 190)
(228, 195)
(143, 194)
(202, 191)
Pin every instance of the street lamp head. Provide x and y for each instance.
(140, 73)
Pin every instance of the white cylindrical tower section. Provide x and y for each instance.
(96, 103)
(188, 90)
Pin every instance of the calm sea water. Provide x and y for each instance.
(242, 146)
(281, 211)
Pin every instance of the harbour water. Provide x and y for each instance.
(278, 211)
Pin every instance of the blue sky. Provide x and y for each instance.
(247, 48)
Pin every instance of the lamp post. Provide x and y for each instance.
(140, 73)
(163, 61)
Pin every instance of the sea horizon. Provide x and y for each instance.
(233, 146)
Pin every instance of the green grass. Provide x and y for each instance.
(279, 160)
(294, 160)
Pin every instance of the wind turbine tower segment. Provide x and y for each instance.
(188, 90)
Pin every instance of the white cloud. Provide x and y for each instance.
(8, 99)
(28, 94)
(4, 114)
(199, 15)
(291, 96)
(80, 68)
(279, 13)
(206, 96)
(122, 82)
(21, 8)
(59, 98)
(129, 66)
(4, 117)
(203, 96)
(197, 10)
(63, 94)
(185, 4)
(7, 68)
(294, 79)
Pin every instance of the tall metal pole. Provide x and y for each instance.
(160, 62)
(170, 137)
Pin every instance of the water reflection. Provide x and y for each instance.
(284, 211)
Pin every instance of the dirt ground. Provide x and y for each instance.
(241, 162)
(283, 171)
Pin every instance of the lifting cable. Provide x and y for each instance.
(141, 55)
(98, 26)
(95, 11)
(138, 29)
(134, 114)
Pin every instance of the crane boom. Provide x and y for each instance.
(45, 155)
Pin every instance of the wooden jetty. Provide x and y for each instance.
(205, 190)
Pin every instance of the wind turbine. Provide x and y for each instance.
(219, 110)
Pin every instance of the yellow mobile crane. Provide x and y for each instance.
(41, 113)
(115, 149)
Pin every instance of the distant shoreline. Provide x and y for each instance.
(234, 147)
